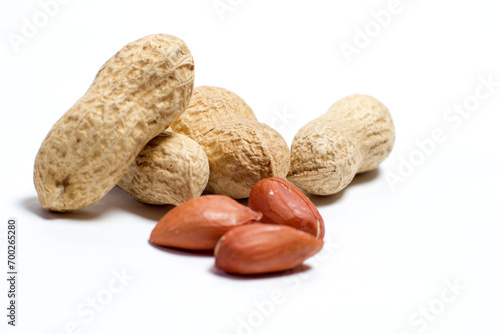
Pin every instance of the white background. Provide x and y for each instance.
(389, 251)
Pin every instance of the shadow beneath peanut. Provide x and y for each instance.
(360, 178)
(325, 200)
(115, 200)
(365, 177)
(243, 201)
(299, 269)
(183, 252)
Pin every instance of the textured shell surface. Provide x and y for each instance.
(241, 152)
(170, 169)
(208, 107)
(355, 135)
(369, 123)
(134, 97)
(323, 159)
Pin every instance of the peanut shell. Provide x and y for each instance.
(170, 169)
(208, 107)
(242, 152)
(355, 135)
(135, 96)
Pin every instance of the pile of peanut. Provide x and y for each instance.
(144, 127)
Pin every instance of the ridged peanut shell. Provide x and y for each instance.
(369, 122)
(242, 152)
(135, 96)
(324, 160)
(208, 107)
(170, 169)
(355, 135)
(198, 223)
(264, 248)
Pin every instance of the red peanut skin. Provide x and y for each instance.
(264, 248)
(283, 203)
(198, 223)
